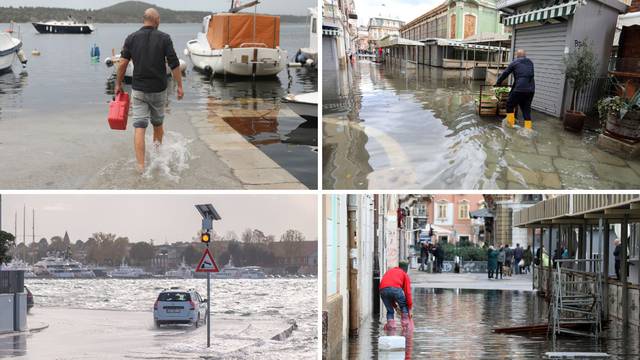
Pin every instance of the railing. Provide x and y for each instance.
(568, 205)
(590, 94)
(577, 296)
(11, 281)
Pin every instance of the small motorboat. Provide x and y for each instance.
(128, 75)
(308, 56)
(305, 105)
(70, 26)
(239, 44)
(10, 50)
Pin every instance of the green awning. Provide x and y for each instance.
(542, 14)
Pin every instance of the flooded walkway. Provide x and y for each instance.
(387, 127)
(458, 324)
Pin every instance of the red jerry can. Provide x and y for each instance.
(119, 111)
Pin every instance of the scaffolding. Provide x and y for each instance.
(577, 297)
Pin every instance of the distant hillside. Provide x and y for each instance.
(124, 12)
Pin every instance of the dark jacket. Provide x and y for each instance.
(492, 257)
(518, 253)
(522, 70)
(150, 50)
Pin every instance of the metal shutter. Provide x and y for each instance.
(545, 47)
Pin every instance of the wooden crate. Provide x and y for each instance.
(487, 107)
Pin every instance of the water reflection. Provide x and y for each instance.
(12, 345)
(418, 128)
(458, 324)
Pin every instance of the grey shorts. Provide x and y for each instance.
(148, 106)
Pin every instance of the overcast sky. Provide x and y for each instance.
(405, 10)
(160, 217)
(282, 7)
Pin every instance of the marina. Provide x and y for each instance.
(239, 160)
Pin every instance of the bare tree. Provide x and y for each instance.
(292, 235)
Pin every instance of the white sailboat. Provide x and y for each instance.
(240, 44)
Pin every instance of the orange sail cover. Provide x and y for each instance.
(237, 29)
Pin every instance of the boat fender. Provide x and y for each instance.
(309, 62)
(186, 52)
(108, 61)
(183, 66)
(22, 57)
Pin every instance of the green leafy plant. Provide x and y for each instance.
(610, 106)
(580, 68)
(501, 90)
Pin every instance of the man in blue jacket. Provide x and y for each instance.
(523, 88)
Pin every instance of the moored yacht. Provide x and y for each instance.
(10, 50)
(229, 271)
(240, 44)
(70, 26)
(308, 56)
(64, 268)
(182, 272)
(128, 272)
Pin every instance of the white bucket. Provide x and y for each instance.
(391, 343)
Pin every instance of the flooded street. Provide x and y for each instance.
(458, 324)
(387, 127)
(54, 133)
(91, 315)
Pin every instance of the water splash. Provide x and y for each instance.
(168, 159)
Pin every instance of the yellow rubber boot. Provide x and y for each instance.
(527, 124)
(511, 119)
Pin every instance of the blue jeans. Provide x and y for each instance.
(391, 296)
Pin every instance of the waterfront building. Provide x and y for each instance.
(458, 35)
(339, 32)
(363, 39)
(550, 30)
(503, 208)
(361, 241)
(450, 219)
(588, 225)
(381, 27)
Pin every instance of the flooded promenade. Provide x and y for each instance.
(248, 320)
(470, 336)
(389, 127)
(54, 132)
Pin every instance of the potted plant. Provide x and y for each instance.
(580, 69)
(621, 117)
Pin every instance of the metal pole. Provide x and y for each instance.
(623, 272)
(605, 267)
(208, 307)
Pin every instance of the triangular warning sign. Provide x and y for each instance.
(207, 264)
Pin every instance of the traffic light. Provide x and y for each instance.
(205, 237)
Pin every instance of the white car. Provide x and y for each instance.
(177, 306)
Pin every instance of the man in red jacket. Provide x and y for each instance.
(395, 289)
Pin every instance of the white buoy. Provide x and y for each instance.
(22, 57)
(391, 343)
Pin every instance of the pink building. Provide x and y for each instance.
(450, 220)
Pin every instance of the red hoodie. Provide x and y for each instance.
(397, 278)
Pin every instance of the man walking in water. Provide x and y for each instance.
(522, 90)
(150, 50)
(395, 289)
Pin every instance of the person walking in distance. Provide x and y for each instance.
(151, 51)
(523, 88)
(501, 258)
(395, 290)
(518, 253)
